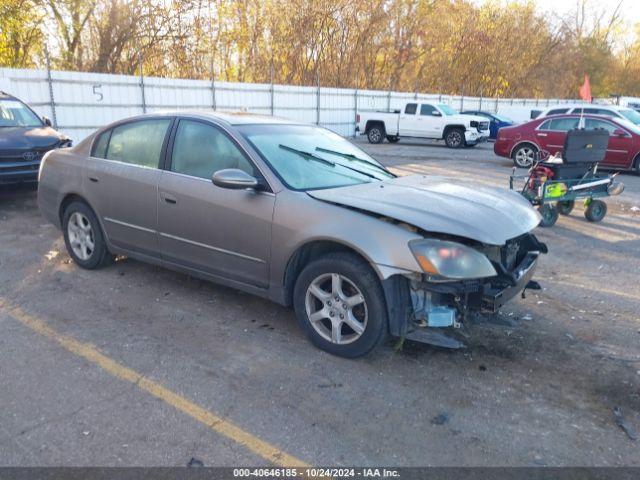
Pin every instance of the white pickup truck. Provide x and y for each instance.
(424, 120)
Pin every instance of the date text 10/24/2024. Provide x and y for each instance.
(285, 473)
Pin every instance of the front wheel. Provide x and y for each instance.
(595, 211)
(524, 155)
(83, 237)
(454, 138)
(340, 305)
(549, 215)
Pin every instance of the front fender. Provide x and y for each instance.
(299, 219)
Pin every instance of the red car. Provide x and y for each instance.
(521, 142)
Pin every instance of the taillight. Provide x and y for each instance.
(357, 118)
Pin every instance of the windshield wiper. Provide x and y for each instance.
(351, 156)
(312, 156)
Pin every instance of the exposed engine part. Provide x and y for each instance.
(428, 312)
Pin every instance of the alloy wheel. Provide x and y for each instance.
(454, 138)
(524, 157)
(81, 236)
(336, 308)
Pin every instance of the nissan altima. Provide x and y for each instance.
(299, 215)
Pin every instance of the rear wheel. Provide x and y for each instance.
(595, 211)
(565, 207)
(523, 155)
(375, 134)
(454, 138)
(83, 237)
(549, 215)
(340, 305)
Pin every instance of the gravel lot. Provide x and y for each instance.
(538, 390)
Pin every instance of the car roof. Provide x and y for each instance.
(621, 122)
(6, 96)
(578, 115)
(585, 105)
(231, 118)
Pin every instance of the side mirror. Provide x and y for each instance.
(436, 113)
(47, 122)
(234, 178)
(618, 132)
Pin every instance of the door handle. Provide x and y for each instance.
(93, 179)
(169, 199)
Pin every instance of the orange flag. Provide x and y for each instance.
(585, 90)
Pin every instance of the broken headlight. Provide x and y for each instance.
(444, 260)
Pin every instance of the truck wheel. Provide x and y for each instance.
(393, 138)
(340, 305)
(565, 207)
(549, 215)
(596, 210)
(376, 134)
(454, 138)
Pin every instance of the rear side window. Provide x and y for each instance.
(101, 144)
(411, 108)
(563, 124)
(557, 111)
(137, 143)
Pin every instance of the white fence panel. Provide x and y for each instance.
(80, 102)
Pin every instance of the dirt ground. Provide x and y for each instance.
(539, 389)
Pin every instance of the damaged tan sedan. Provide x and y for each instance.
(296, 214)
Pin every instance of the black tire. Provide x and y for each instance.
(565, 207)
(524, 155)
(595, 211)
(454, 138)
(357, 273)
(549, 215)
(636, 165)
(393, 138)
(376, 134)
(100, 255)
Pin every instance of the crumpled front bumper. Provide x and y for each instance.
(414, 301)
(494, 298)
(473, 136)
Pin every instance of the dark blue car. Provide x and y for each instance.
(496, 122)
(24, 139)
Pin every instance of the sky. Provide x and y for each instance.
(630, 8)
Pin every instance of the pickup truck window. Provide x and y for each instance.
(446, 109)
(426, 109)
(411, 108)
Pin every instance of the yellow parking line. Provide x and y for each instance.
(215, 422)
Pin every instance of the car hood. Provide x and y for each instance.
(440, 205)
(26, 138)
